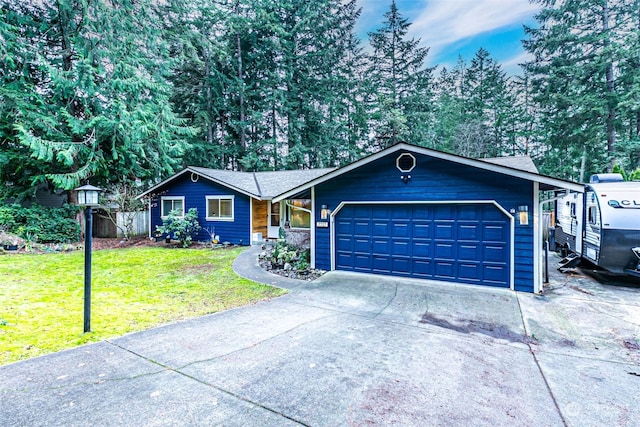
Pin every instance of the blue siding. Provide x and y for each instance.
(431, 180)
(236, 231)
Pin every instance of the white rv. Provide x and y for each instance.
(603, 224)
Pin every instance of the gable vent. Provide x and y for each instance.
(405, 162)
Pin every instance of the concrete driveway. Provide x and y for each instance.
(357, 350)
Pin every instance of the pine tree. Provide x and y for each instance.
(577, 53)
(397, 74)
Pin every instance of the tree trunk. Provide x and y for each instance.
(583, 163)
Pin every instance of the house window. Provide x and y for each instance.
(170, 204)
(299, 213)
(220, 208)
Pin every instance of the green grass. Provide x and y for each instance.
(41, 296)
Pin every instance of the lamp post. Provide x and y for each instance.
(88, 198)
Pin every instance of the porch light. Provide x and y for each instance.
(324, 212)
(523, 215)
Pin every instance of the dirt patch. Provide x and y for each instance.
(99, 243)
(476, 326)
(198, 269)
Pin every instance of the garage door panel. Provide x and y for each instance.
(401, 265)
(470, 272)
(345, 242)
(424, 212)
(494, 274)
(445, 212)
(344, 227)
(444, 230)
(380, 228)
(469, 252)
(380, 246)
(362, 228)
(380, 263)
(421, 229)
(468, 212)
(469, 231)
(444, 250)
(495, 253)
(361, 245)
(401, 248)
(362, 262)
(344, 260)
(460, 243)
(400, 229)
(422, 268)
(494, 232)
(444, 270)
(422, 249)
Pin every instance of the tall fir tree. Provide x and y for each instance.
(96, 83)
(397, 74)
(577, 54)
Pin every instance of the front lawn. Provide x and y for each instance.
(41, 296)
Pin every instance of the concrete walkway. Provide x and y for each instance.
(352, 349)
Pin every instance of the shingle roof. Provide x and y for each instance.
(522, 163)
(260, 185)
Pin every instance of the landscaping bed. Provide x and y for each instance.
(288, 261)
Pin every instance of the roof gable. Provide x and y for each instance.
(504, 165)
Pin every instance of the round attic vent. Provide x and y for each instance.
(405, 162)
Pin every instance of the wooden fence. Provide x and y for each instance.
(104, 227)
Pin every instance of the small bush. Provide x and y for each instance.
(181, 228)
(42, 224)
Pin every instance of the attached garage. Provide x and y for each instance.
(449, 241)
(414, 212)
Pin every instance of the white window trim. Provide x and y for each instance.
(163, 198)
(223, 197)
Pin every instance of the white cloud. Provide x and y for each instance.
(443, 22)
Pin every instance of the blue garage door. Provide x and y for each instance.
(453, 242)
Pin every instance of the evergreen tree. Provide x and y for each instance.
(98, 96)
(398, 76)
(577, 50)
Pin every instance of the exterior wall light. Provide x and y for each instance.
(324, 212)
(523, 215)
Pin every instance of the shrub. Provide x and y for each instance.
(46, 225)
(284, 253)
(181, 228)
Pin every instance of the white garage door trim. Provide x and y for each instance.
(511, 218)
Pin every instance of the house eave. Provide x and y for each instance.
(547, 181)
(208, 178)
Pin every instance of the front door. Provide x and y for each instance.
(273, 225)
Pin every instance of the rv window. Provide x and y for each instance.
(593, 215)
(573, 210)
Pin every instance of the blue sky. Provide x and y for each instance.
(460, 27)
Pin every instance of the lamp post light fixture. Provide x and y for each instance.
(88, 196)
